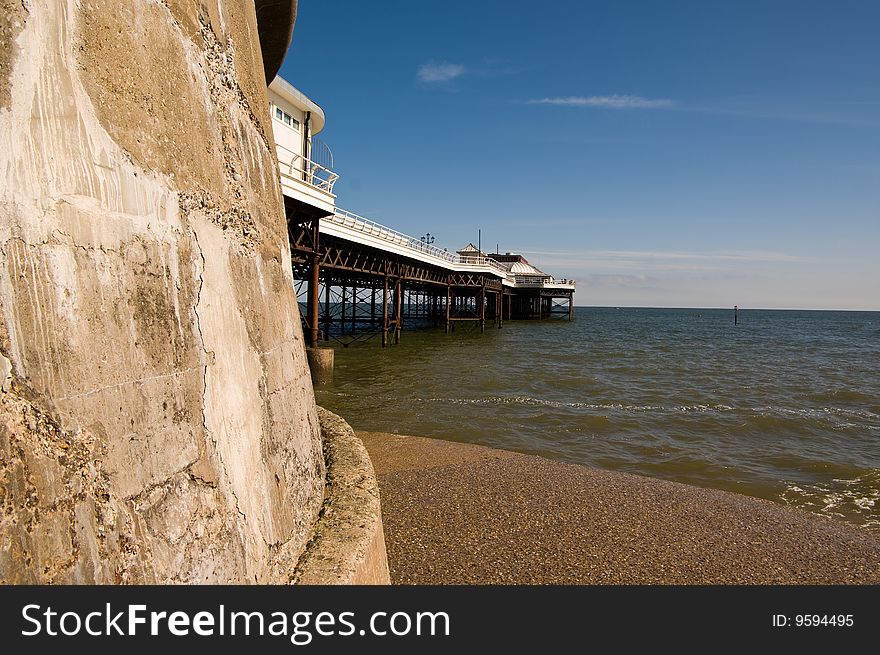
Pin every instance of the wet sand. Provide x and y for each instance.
(464, 514)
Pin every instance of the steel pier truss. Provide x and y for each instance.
(350, 292)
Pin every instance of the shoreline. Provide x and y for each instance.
(457, 513)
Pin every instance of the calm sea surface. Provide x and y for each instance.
(783, 406)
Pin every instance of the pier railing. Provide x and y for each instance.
(366, 226)
(520, 282)
(549, 282)
(296, 167)
(484, 261)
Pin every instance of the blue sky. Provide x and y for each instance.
(663, 153)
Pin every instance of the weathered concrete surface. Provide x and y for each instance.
(12, 17)
(348, 545)
(321, 364)
(158, 422)
(465, 514)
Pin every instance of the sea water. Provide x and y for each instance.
(783, 405)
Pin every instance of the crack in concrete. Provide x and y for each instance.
(198, 323)
(293, 385)
(140, 495)
(71, 242)
(149, 378)
(195, 477)
(49, 242)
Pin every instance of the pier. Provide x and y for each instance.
(358, 279)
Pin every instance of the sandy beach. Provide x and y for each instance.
(464, 514)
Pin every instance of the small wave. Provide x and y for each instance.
(844, 396)
(836, 418)
(850, 413)
(528, 400)
(689, 409)
(856, 499)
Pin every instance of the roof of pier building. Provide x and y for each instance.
(470, 250)
(523, 268)
(286, 91)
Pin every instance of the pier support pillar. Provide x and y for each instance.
(320, 365)
(313, 303)
(482, 309)
(354, 302)
(398, 306)
(403, 306)
(448, 307)
(385, 311)
(327, 309)
(342, 311)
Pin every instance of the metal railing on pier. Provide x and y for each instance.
(294, 166)
(366, 226)
(484, 261)
(545, 282)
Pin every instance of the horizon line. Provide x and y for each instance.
(729, 308)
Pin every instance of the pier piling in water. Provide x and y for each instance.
(320, 364)
(313, 303)
(384, 311)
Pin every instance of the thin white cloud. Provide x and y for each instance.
(439, 72)
(737, 255)
(642, 261)
(607, 102)
(768, 110)
(654, 255)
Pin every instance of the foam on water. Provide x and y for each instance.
(856, 500)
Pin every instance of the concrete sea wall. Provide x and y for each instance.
(157, 419)
(348, 543)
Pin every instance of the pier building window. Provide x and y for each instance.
(286, 118)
